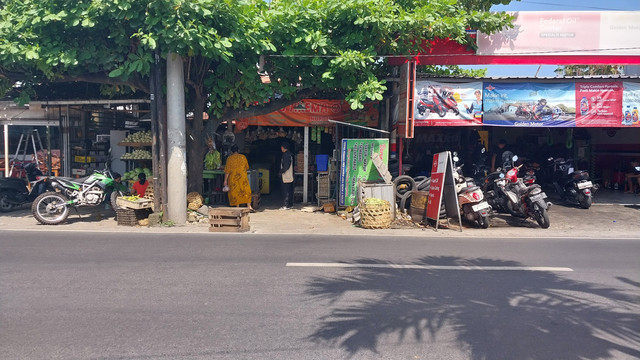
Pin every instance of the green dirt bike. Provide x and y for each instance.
(52, 207)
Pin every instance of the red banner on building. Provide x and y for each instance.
(313, 112)
(599, 104)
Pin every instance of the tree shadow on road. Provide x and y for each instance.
(492, 314)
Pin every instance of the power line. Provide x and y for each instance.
(440, 55)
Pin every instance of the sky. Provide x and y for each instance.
(552, 5)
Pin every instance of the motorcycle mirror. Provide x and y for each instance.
(515, 158)
(637, 168)
(455, 159)
(483, 150)
(501, 175)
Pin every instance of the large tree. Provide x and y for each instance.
(304, 46)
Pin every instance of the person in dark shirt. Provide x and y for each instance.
(499, 153)
(286, 176)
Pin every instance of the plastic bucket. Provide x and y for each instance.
(322, 162)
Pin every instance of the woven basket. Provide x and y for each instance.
(195, 200)
(375, 216)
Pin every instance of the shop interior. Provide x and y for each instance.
(605, 152)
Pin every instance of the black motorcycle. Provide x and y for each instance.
(574, 186)
(16, 191)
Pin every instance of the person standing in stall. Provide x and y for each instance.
(236, 179)
(286, 175)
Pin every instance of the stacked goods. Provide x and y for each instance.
(375, 213)
(55, 159)
(299, 162)
(137, 155)
(133, 174)
(139, 137)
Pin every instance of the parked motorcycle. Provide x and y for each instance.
(470, 198)
(52, 207)
(16, 191)
(574, 185)
(438, 102)
(494, 184)
(526, 201)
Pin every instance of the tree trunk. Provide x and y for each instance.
(195, 147)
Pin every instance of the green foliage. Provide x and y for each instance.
(324, 45)
(451, 70)
(581, 70)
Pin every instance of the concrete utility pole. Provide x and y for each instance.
(176, 147)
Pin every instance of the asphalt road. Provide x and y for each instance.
(72, 295)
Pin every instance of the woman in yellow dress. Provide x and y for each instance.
(236, 178)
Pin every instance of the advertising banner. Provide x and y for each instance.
(566, 33)
(356, 165)
(630, 104)
(314, 112)
(598, 104)
(447, 104)
(529, 104)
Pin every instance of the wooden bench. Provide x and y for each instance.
(228, 219)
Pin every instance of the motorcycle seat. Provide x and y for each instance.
(78, 181)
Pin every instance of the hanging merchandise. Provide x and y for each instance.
(319, 136)
(569, 141)
(313, 134)
(549, 138)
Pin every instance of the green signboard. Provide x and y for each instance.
(357, 165)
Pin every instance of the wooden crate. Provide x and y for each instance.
(228, 219)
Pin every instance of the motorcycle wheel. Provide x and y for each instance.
(43, 208)
(403, 202)
(114, 195)
(542, 216)
(5, 205)
(586, 202)
(483, 221)
(402, 184)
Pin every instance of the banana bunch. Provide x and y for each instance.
(374, 201)
(131, 198)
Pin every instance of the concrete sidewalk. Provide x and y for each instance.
(600, 221)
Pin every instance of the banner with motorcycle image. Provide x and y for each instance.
(529, 104)
(447, 104)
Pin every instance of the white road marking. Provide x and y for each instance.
(433, 267)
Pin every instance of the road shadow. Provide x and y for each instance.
(491, 314)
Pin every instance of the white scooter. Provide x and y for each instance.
(470, 197)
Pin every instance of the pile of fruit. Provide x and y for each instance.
(133, 174)
(131, 198)
(137, 155)
(139, 137)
